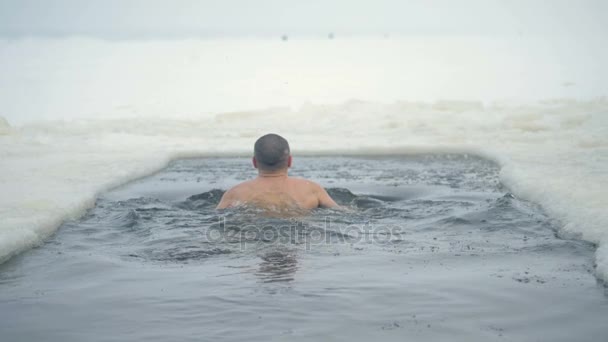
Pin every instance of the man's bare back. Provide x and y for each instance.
(273, 189)
(278, 192)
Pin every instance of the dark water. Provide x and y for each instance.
(433, 248)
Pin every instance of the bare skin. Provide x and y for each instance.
(275, 190)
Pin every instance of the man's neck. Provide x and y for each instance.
(272, 174)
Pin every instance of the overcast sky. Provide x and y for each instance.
(158, 18)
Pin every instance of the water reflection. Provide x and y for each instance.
(279, 265)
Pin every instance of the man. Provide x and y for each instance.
(273, 189)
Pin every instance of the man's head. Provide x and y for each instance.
(271, 153)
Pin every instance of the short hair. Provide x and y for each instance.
(271, 152)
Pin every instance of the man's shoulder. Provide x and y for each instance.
(240, 187)
(305, 183)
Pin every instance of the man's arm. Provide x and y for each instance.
(227, 200)
(324, 199)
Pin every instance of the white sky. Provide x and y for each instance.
(159, 18)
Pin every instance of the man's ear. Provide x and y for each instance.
(289, 161)
(255, 162)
